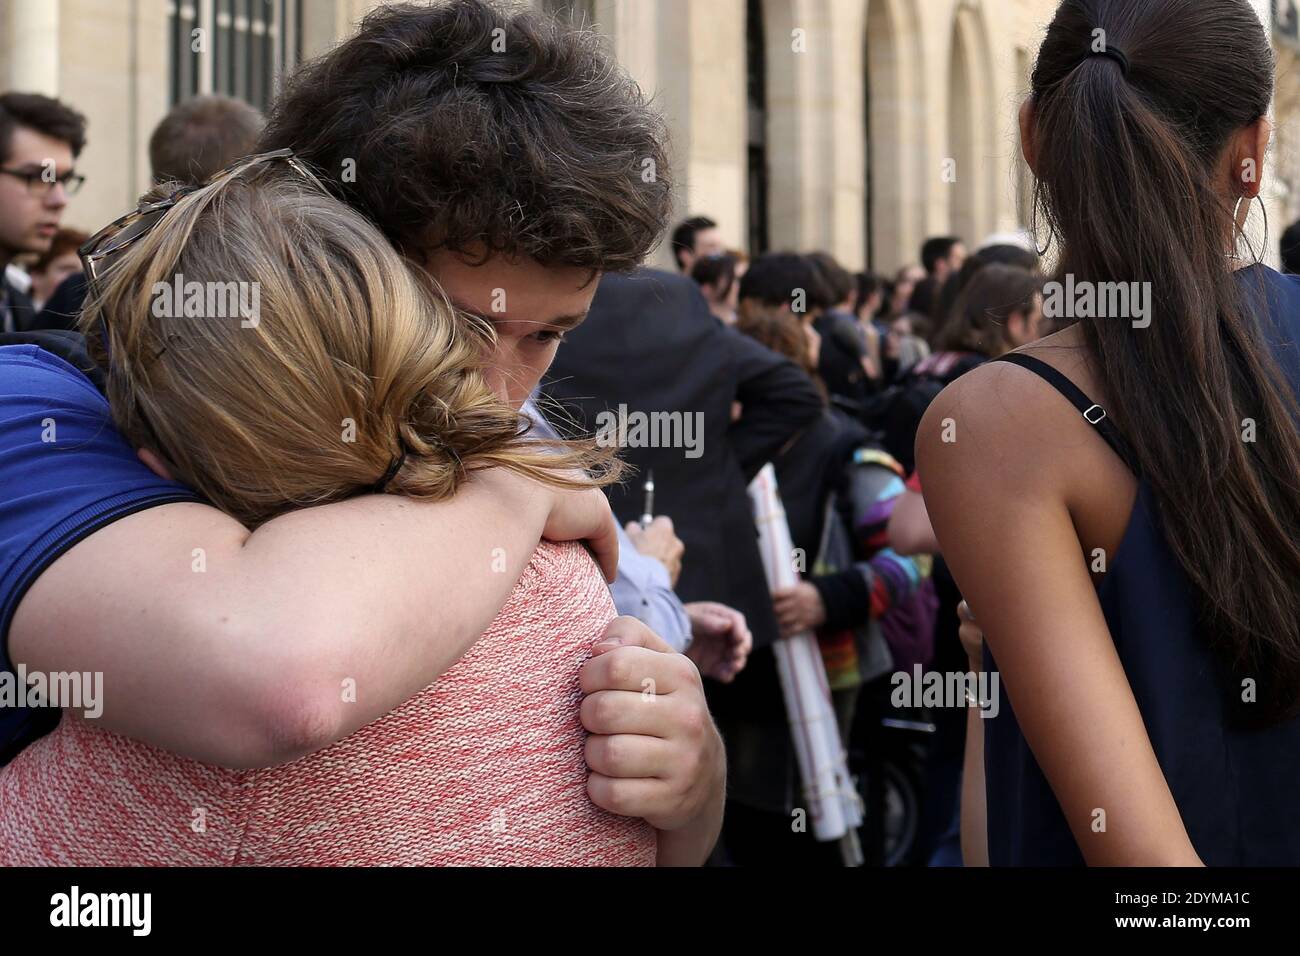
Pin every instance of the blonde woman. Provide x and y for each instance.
(340, 374)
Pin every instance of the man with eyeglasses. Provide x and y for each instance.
(40, 139)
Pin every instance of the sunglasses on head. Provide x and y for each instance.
(97, 253)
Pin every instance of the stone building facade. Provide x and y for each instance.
(856, 126)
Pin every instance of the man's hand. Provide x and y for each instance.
(653, 750)
(799, 609)
(660, 542)
(720, 640)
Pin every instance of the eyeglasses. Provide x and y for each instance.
(39, 183)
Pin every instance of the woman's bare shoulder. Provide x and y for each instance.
(1009, 422)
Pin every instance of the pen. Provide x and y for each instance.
(648, 512)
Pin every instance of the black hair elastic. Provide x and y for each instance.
(391, 473)
(1116, 54)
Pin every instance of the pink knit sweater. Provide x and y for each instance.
(484, 767)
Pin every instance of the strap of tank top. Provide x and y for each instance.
(1092, 413)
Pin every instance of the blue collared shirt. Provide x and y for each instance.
(642, 588)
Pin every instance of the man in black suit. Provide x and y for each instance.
(651, 354)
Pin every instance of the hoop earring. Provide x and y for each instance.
(1033, 224)
(1240, 233)
(1259, 259)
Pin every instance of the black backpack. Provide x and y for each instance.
(896, 412)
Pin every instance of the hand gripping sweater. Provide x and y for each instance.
(483, 767)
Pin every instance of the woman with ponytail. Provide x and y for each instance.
(348, 375)
(1120, 502)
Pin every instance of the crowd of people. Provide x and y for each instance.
(878, 351)
(303, 458)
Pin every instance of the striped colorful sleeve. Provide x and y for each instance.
(893, 578)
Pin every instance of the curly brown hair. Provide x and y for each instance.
(458, 126)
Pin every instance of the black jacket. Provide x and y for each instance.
(840, 359)
(16, 312)
(651, 344)
(63, 309)
(60, 312)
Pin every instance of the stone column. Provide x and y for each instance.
(907, 126)
(97, 76)
(847, 135)
(698, 75)
(800, 135)
(32, 46)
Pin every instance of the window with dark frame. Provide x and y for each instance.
(756, 154)
(238, 48)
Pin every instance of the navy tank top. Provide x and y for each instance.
(1238, 791)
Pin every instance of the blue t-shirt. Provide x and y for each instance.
(65, 472)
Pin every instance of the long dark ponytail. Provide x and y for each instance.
(1129, 148)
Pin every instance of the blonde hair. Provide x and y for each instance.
(353, 362)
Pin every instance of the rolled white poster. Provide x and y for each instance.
(832, 799)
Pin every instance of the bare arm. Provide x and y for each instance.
(974, 821)
(248, 661)
(999, 508)
(909, 526)
(974, 815)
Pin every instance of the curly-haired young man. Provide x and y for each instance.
(513, 160)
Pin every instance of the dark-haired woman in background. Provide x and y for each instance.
(718, 277)
(999, 310)
(995, 252)
(1121, 511)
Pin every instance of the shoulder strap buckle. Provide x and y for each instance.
(1101, 413)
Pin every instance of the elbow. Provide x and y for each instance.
(298, 717)
(910, 541)
(248, 728)
(903, 542)
(273, 726)
(277, 710)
